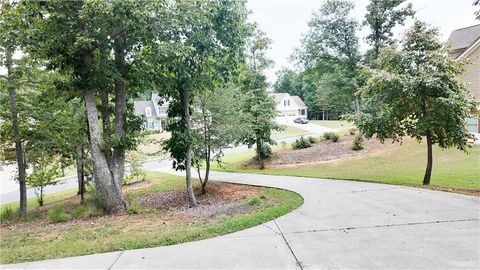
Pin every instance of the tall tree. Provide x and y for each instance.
(10, 43)
(417, 93)
(77, 38)
(204, 36)
(288, 81)
(331, 47)
(382, 17)
(258, 108)
(218, 124)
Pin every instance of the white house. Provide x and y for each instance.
(155, 115)
(289, 107)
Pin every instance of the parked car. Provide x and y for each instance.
(301, 121)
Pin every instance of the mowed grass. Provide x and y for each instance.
(333, 123)
(38, 239)
(288, 131)
(399, 164)
(48, 199)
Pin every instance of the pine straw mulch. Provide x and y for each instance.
(322, 151)
(221, 199)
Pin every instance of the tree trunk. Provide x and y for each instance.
(188, 159)
(80, 171)
(199, 175)
(118, 159)
(207, 148)
(105, 185)
(40, 201)
(106, 125)
(12, 95)
(62, 167)
(357, 105)
(428, 171)
(259, 155)
(207, 168)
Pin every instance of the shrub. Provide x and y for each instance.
(334, 137)
(57, 214)
(358, 142)
(301, 143)
(136, 169)
(45, 173)
(328, 135)
(127, 180)
(352, 131)
(312, 139)
(134, 208)
(7, 214)
(254, 201)
(265, 151)
(79, 211)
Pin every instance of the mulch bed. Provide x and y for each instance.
(221, 199)
(321, 151)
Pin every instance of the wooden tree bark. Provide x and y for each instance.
(12, 94)
(118, 158)
(259, 155)
(105, 112)
(207, 168)
(104, 182)
(79, 159)
(428, 170)
(188, 159)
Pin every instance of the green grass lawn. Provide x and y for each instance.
(49, 198)
(288, 131)
(333, 123)
(36, 238)
(399, 164)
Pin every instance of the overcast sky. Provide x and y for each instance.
(285, 21)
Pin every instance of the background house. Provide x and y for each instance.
(289, 107)
(155, 115)
(465, 44)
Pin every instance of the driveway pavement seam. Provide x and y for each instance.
(299, 264)
(119, 255)
(384, 226)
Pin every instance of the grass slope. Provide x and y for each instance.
(399, 164)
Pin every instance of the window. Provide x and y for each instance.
(148, 112)
(286, 103)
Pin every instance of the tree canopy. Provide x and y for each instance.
(416, 92)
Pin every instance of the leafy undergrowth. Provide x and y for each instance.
(398, 164)
(157, 216)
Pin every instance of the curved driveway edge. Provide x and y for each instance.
(342, 224)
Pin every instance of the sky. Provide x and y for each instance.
(285, 22)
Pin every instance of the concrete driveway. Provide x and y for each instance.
(342, 224)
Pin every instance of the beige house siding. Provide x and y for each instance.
(472, 73)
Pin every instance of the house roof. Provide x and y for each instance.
(299, 102)
(140, 106)
(278, 96)
(461, 39)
